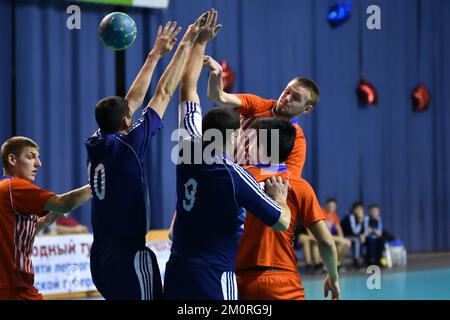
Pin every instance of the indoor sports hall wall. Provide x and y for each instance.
(384, 154)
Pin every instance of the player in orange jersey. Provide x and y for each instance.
(299, 97)
(266, 263)
(24, 209)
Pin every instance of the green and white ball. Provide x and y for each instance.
(117, 31)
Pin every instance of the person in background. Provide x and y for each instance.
(334, 225)
(373, 230)
(353, 228)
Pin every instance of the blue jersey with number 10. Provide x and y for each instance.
(120, 204)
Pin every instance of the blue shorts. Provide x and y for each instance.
(184, 280)
(131, 274)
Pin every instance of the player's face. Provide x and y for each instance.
(27, 164)
(359, 212)
(331, 206)
(293, 101)
(374, 213)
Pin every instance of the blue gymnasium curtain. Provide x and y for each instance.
(386, 154)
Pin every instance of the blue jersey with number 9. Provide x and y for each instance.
(212, 197)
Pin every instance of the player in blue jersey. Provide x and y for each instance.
(122, 266)
(211, 197)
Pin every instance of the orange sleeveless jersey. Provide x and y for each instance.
(21, 205)
(253, 107)
(262, 246)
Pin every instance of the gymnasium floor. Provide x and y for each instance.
(427, 277)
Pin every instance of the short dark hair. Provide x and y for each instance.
(221, 118)
(309, 84)
(109, 113)
(15, 146)
(286, 131)
(331, 200)
(373, 206)
(357, 204)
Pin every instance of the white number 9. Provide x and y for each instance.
(190, 195)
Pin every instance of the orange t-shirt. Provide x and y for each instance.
(260, 245)
(21, 205)
(332, 217)
(253, 107)
(332, 220)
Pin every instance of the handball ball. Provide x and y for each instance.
(117, 31)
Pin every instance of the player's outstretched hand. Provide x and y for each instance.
(212, 28)
(333, 286)
(214, 67)
(199, 26)
(276, 189)
(166, 38)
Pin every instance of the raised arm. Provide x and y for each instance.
(327, 250)
(172, 75)
(190, 113)
(68, 201)
(193, 68)
(165, 40)
(215, 86)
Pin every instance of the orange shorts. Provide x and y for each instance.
(270, 285)
(20, 294)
